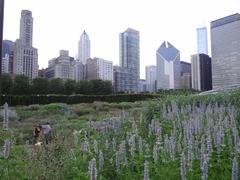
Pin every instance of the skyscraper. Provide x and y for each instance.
(1, 31)
(151, 78)
(25, 55)
(185, 75)
(26, 28)
(202, 41)
(98, 68)
(201, 71)
(168, 67)
(129, 56)
(225, 39)
(84, 48)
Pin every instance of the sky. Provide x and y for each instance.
(58, 24)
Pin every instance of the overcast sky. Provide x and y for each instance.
(58, 25)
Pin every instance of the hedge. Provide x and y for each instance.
(14, 100)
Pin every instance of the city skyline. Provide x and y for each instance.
(55, 31)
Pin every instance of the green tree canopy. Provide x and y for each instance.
(56, 86)
(6, 84)
(21, 85)
(69, 86)
(84, 87)
(40, 85)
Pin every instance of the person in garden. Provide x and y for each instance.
(37, 132)
(46, 131)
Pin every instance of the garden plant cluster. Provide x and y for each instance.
(176, 137)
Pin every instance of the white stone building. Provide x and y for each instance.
(25, 55)
(84, 48)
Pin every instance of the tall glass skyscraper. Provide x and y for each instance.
(84, 48)
(129, 56)
(202, 41)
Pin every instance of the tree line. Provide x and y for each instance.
(22, 85)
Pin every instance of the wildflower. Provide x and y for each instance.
(101, 160)
(183, 167)
(6, 149)
(85, 146)
(117, 161)
(234, 169)
(155, 153)
(204, 168)
(92, 170)
(146, 171)
(95, 146)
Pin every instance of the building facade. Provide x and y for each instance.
(151, 78)
(84, 48)
(129, 56)
(168, 67)
(61, 67)
(25, 55)
(7, 47)
(225, 39)
(1, 31)
(201, 71)
(202, 40)
(185, 75)
(98, 68)
(142, 86)
(122, 79)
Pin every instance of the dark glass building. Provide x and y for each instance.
(201, 70)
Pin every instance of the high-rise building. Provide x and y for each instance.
(201, 71)
(25, 55)
(168, 67)
(151, 78)
(129, 56)
(1, 31)
(142, 86)
(122, 79)
(26, 28)
(84, 48)
(7, 47)
(202, 40)
(5, 64)
(185, 75)
(61, 67)
(98, 68)
(79, 71)
(225, 39)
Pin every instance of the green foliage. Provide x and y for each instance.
(39, 86)
(75, 99)
(5, 84)
(69, 87)
(64, 158)
(21, 85)
(56, 86)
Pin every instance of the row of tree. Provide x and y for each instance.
(21, 85)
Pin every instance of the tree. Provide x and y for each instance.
(84, 87)
(21, 85)
(40, 86)
(97, 86)
(69, 86)
(5, 84)
(108, 87)
(56, 86)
